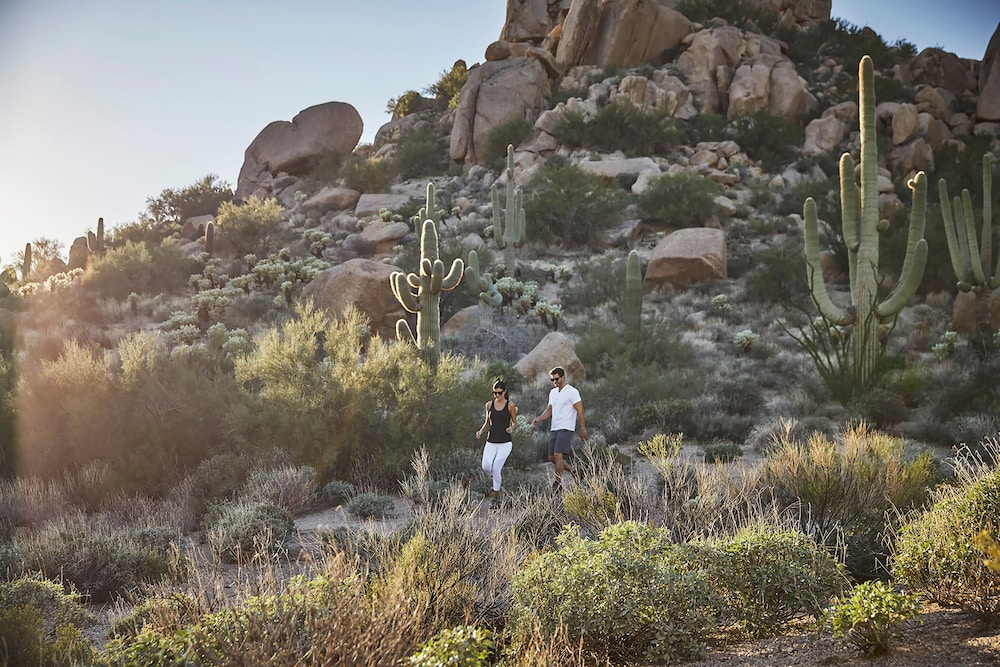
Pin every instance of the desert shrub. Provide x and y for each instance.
(461, 646)
(511, 133)
(778, 274)
(338, 492)
(41, 625)
(595, 281)
(767, 577)
(681, 200)
(369, 505)
(771, 139)
(366, 174)
(166, 212)
(290, 487)
(706, 127)
(420, 152)
(855, 484)
(629, 595)
(936, 553)
(101, 561)
(871, 616)
(239, 530)
(743, 13)
(722, 452)
(404, 105)
(449, 84)
(568, 206)
(162, 268)
(622, 126)
(345, 410)
(253, 227)
(159, 614)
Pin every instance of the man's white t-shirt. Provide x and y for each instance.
(563, 412)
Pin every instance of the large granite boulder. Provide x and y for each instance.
(687, 256)
(362, 283)
(290, 146)
(988, 106)
(495, 93)
(556, 349)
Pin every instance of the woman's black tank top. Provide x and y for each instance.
(499, 421)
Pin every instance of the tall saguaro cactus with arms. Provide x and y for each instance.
(861, 228)
(971, 260)
(508, 220)
(420, 293)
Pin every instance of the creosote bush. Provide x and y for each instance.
(569, 206)
(871, 616)
(936, 554)
(238, 531)
(681, 200)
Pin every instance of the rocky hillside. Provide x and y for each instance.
(689, 132)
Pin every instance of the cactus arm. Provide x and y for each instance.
(915, 259)
(969, 223)
(404, 333)
(850, 206)
(490, 295)
(454, 275)
(437, 273)
(955, 246)
(908, 282)
(817, 285)
(401, 290)
(497, 218)
(472, 277)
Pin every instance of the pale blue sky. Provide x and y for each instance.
(104, 103)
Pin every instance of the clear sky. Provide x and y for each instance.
(104, 103)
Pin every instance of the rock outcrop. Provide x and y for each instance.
(289, 146)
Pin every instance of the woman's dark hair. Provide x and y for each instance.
(500, 385)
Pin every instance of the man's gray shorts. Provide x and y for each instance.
(561, 442)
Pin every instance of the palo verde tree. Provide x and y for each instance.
(861, 227)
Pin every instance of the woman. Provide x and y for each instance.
(501, 418)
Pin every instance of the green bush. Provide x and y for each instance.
(369, 505)
(290, 487)
(853, 484)
(778, 274)
(253, 227)
(338, 492)
(936, 554)
(163, 268)
(767, 578)
(622, 126)
(366, 174)
(722, 452)
(462, 646)
(97, 560)
(568, 206)
(627, 596)
(450, 83)
(681, 200)
(771, 139)
(239, 530)
(420, 152)
(511, 133)
(341, 416)
(40, 624)
(871, 616)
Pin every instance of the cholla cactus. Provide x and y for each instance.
(972, 260)
(861, 227)
(421, 293)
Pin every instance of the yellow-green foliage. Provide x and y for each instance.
(871, 616)
(937, 554)
(41, 625)
(253, 227)
(991, 548)
(367, 401)
(849, 483)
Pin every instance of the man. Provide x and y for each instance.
(565, 406)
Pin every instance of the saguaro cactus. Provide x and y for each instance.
(100, 237)
(861, 227)
(429, 210)
(210, 238)
(26, 263)
(633, 300)
(421, 294)
(508, 220)
(481, 285)
(971, 260)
